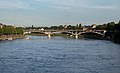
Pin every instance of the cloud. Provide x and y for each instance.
(13, 4)
(71, 4)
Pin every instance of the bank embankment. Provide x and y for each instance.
(11, 37)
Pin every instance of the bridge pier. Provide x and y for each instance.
(49, 35)
(76, 36)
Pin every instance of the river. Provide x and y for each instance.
(59, 55)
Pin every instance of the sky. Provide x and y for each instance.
(57, 12)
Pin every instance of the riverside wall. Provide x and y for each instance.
(11, 37)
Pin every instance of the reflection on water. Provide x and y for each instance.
(59, 55)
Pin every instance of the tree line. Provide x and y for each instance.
(113, 31)
(10, 30)
(59, 27)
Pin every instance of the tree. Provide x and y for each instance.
(32, 26)
(76, 25)
(19, 31)
(101, 27)
(60, 27)
(80, 25)
(10, 30)
(53, 27)
(110, 26)
(0, 31)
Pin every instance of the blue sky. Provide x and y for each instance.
(56, 12)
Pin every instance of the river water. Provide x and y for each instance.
(59, 55)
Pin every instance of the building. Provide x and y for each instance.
(93, 26)
(86, 28)
(42, 29)
(1, 25)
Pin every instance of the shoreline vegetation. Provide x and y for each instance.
(9, 32)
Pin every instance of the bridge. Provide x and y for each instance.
(75, 33)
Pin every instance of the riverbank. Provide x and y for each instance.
(11, 37)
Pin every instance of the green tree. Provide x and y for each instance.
(9, 30)
(80, 25)
(60, 27)
(19, 31)
(0, 31)
(110, 26)
(77, 25)
(101, 27)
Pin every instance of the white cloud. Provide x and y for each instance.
(13, 4)
(65, 4)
